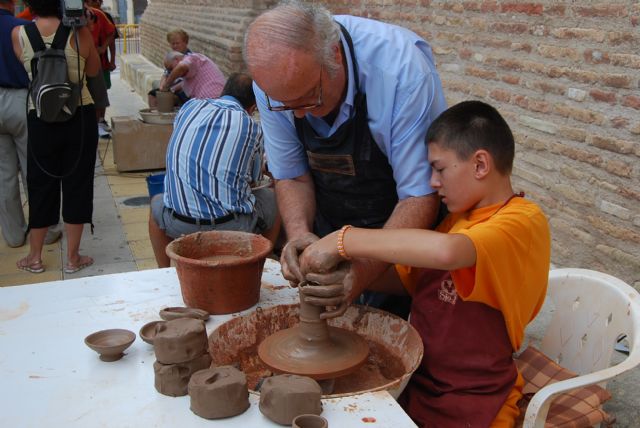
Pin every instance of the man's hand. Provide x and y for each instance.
(289, 258)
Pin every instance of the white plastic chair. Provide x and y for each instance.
(592, 311)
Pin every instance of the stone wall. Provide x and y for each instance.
(565, 74)
(216, 28)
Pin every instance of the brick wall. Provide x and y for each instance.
(565, 74)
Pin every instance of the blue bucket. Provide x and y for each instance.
(155, 184)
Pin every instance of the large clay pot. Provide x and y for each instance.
(165, 100)
(220, 271)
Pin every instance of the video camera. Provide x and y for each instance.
(73, 13)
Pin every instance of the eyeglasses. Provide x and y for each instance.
(301, 107)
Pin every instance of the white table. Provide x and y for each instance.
(50, 378)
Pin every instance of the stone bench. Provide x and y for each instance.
(139, 73)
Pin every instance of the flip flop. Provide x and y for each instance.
(85, 261)
(33, 267)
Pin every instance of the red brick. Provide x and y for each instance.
(619, 122)
(607, 97)
(582, 76)
(581, 115)
(525, 47)
(631, 101)
(489, 6)
(618, 38)
(625, 60)
(500, 95)
(510, 79)
(617, 80)
(579, 33)
(465, 53)
(603, 11)
(619, 168)
(511, 64)
(526, 8)
(510, 27)
(548, 87)
(634, 21)
(555, 10)
(611, 144)
(480, 72)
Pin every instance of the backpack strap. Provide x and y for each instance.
(60, 39)
(37, 44)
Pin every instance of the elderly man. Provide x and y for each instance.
(202, 77)
(214, 156)
(345, 103)
(13, 134)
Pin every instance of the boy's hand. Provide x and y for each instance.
(289, 258)
(331, 290)
(322, 256)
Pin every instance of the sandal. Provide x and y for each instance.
(33, 267)
(84, 261)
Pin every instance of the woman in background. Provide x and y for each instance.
(60, 155)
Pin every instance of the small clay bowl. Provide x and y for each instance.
(148, 331)
(176, 312)
(309, 421)
(110, 343)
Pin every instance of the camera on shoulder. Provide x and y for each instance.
(73, 13)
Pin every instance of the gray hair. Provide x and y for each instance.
(171, 55)
(292, 24)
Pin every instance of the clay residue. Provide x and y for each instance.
(10, 314)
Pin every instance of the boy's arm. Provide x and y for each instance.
(321, 262)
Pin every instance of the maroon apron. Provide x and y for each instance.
(467, 371)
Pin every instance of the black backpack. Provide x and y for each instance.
(54, 96)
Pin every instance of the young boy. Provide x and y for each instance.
(476, 281)
(178, 39)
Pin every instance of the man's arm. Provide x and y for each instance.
(297, 205)
(179, 70)
(297, 202)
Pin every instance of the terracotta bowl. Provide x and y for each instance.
(220, 271)
(148, 331)
(176, 312)
(110, 343)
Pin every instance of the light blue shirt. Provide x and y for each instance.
(214, 154)
(404, 95)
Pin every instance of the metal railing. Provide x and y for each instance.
(129, 40)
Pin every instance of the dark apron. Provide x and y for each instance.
(353, 180)
(467, 371)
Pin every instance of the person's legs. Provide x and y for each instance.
(13, 144)
(33, 261)
(158, 237)
(77, 185)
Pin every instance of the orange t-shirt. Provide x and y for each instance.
(513, 247)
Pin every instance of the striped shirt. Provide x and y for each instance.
(204, 79)
(215, 152)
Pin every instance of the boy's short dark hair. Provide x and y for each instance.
(240, 87)
(44, 8)
(473, 125)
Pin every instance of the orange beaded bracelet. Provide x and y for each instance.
(341, 249)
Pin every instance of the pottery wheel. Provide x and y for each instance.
(313, 349)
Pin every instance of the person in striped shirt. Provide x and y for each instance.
(214, 157)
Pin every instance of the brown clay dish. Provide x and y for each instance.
(148, 331)
(110, 343)
(175, 312)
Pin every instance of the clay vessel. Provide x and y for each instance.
(166, 100)
(309, 421)
(220, 271)
(173, 313)
(148, 331)
(110, 343)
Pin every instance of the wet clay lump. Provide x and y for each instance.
(218, 392)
